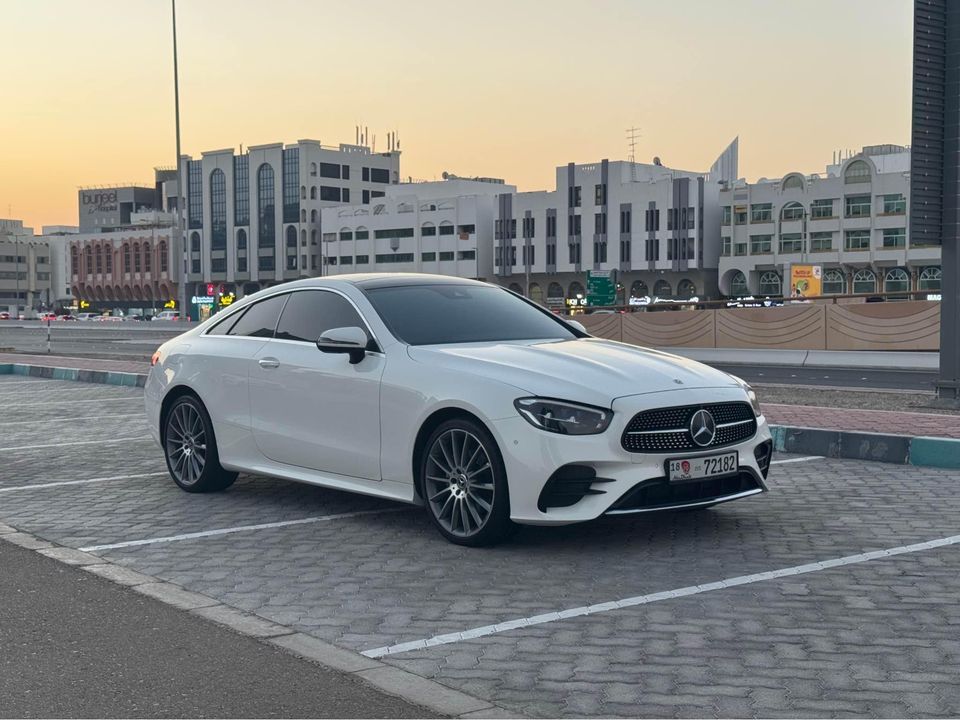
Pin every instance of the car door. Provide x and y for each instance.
(312, 409)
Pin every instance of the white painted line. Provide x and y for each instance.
(18, 383)
(38, 486)
(799, 459)
(485, 630)
(72, 419)
(79, 442)
(240, 528)
(97, 400)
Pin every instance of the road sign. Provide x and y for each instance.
(601, 288)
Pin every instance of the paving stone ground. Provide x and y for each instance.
(876, 639)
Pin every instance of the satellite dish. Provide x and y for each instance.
(445, 175)
(656, 160)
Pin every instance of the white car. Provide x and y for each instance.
(452, 394)
(167, 315)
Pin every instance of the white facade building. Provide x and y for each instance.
(253, 219)
(24, 269)
(852, 221)
(443, 227)
(57, 238)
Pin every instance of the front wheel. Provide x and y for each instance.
(191, 448)
(465, 484)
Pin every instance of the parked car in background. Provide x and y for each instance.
(167, 315)
(48, 317)
(87, 316)
(4, 315)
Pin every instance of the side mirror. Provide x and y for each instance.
(577, 326)
(349, 340)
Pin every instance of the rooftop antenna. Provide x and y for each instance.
(632, 134)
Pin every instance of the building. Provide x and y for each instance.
(25, 270)
(653, 229)
(57, 238)
(851, 221)
(443, 227)
(125, 257)
(252, 219)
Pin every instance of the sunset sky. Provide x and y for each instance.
(508, 88)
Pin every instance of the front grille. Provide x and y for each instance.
(657, 493)
(668, 429)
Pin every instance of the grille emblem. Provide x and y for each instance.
(703, 428)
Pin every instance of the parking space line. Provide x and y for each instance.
(78, 442)
(39, 486)
(241, 528)
(71, 419)
(98, 400)
(595, 609)
(799, 459)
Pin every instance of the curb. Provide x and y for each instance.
(104, 377)
(876, 447)
(388, 679)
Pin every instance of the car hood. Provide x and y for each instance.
(588, 370)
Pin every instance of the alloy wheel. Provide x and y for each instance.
(186, 443)
(459, 482)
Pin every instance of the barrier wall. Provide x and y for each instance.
(910, 325)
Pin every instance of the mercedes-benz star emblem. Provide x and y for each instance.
(703, 428)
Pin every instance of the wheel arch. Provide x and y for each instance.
(172, 395)
(431, 423)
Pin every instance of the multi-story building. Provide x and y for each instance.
(24, 269)
(125, 255)
(253, 219)
(58, 239)
(852, 221)
(443, 227)
(656, 230)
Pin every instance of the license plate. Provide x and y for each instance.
(702, 467)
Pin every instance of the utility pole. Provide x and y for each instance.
(178, 233)
(17, 271)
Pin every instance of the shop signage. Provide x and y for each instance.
(202, 300)
(806, 280)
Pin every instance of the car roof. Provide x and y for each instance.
(367, 281)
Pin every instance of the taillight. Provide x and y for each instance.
(155, 359)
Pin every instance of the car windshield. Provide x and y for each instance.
(448, 313)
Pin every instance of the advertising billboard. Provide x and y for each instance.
(806, 280)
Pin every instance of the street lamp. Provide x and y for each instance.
(16, 240)
(178, 215)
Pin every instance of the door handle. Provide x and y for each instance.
(269, 363)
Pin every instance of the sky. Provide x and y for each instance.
(503, 88)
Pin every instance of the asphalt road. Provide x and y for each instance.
(834, 594)
(138, 340)
(77, 645)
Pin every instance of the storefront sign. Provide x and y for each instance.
(202, 300)
(601, 289)
(806, 280)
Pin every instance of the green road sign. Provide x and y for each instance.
(601, 288)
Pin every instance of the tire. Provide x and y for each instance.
(190, 448)
(464, 484)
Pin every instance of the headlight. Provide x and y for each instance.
(751, 395)
(563, 417)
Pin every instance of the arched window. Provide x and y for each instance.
(792, 211)
(313, 192)
(793, 182)
(930, 278)
(303, 238)
(639, 289)
(896, 280)
(162, 255)
(446, 228)
(536, 293)
(555, 290)
(575, 290)
(303, 192)
(194, 243)
(241, 239)
(137, 258)
(662, 289)
(291, 236)
(770, 283)
(313, 169)
(516, 288)
(127, 259)
(147, 262)
(218, 210)
(74, 261)
(346, 233)
(266, 208)
(303, 215)
(738, 285)
(686, 289)
(834, 283)
(313, 237)
(857, 172)
(99, 256)
(864, 281)
(313, 215)
(428, 229)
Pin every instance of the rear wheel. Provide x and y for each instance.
(191, 449)
(465, 484)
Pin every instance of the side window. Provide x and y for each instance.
(311, 313)
(260, 320)
(223, 327)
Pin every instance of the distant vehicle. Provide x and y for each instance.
(109, 318)
(66, 317)
(167, 315)
(4, 315)
(87, 316)
(48, 317)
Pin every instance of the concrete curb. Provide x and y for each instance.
(861, 359)
(104, 377)
(876, 447)
(389, 679)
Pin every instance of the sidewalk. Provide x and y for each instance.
(75, 363)
(912, 424)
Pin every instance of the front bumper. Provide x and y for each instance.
(532, 456)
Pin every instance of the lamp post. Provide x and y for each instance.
(16, 240)
(181, 194)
